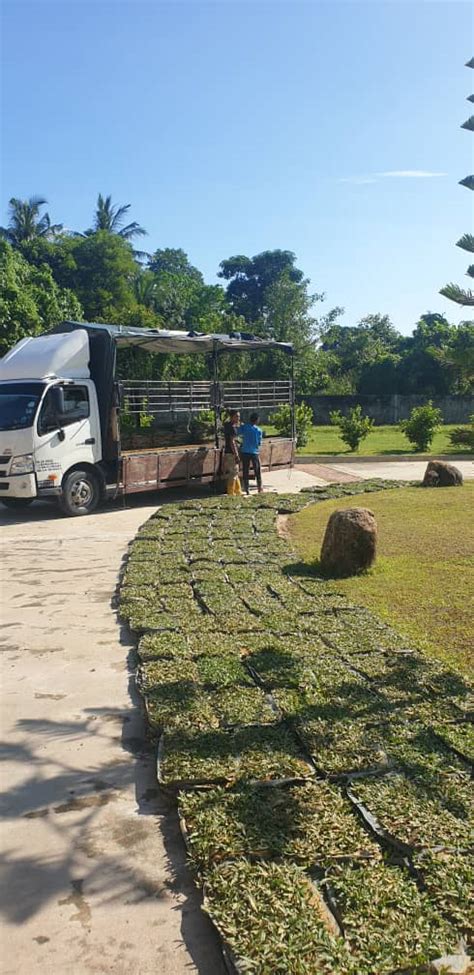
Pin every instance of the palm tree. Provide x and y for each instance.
(26, 223)
(144, 289)
(109, 217)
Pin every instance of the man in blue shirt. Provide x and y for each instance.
(251, 440)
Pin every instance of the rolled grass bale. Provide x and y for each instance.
(350, 542)
(441, 474)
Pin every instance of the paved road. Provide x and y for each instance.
(94, 877)
(397, 470)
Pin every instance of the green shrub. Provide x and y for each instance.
(422, 424)
(127, 420)
(145, 420)
(201, 427)
(462, 437)
(354, 427)
(303, 420)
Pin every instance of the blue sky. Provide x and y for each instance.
(236, 127)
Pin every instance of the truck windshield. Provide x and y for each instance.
(18, 404)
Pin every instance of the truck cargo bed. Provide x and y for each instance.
(153, 468)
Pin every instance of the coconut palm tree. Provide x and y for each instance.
(26, 224)
(111, 218)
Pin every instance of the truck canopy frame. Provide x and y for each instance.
(105, 339)
(183, 343)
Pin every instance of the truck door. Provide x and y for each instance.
(74, 438)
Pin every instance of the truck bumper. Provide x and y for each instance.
(19, 486)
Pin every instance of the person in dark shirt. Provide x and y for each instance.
(251, 436)
(231, 453)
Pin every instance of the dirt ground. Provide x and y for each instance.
(94, 874)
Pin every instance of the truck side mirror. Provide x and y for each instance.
(57, 394)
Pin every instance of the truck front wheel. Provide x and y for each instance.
(81, 493)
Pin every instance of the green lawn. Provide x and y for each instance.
(382, 440)
(423, 580)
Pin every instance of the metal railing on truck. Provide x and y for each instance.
(156, 397)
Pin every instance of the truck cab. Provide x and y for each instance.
(50, 434)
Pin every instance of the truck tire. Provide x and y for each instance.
(81, 493)
(16, 502)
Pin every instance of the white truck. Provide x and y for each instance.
(60, 415)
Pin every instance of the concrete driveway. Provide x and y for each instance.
(94, 869)
(396, 470)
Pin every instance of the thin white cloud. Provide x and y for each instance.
(410, 173)
(391, 174)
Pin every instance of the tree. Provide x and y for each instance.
(110, 218)
(421, 369)
(175, 261)
(457, 358)
(177, 292)
(26, 224)
(453, 291)
(357, 352)
(251, 279)
(144, 289)
(31, 301)
(100, 269)
(289, 319)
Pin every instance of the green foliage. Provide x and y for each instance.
(100, 271)
(201, 427)
(30, 300)
(26, 224)
(462, 436)
(127, 421)
(454, 292)
(354, 427)
(110, 218)
(174, 260)
(461, 296)
(303, 421)
(356, 351)
(422, 424)
(251, 280)
(145, 420)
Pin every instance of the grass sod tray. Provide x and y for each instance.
(342, 747)
(311, 824)
(424, 757)
(342, 722)
(163, 645)
(250, 754)
(459, 735)
(417, 815)
(273, 921)
(186, 706)
(449, 880)
(389, 924)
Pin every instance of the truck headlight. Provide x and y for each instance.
(23, 464)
